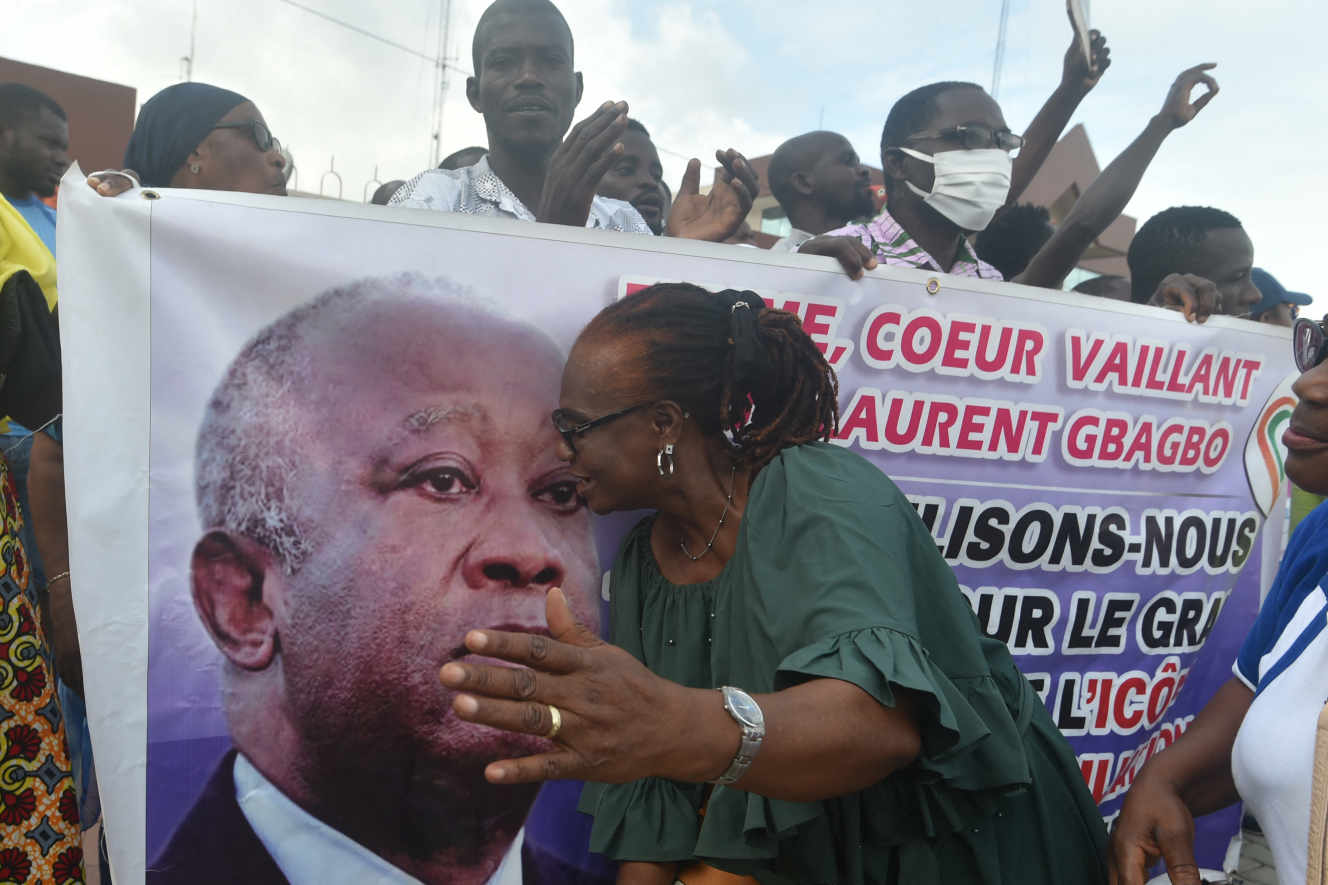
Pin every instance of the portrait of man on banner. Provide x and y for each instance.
(374, 475)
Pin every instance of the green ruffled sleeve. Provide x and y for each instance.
(646, 820)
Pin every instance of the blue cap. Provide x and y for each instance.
(1273, 292)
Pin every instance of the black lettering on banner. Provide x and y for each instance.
(989, 533)
(1249, 528)
(1175, 623)
(1104, 635)
(958, 530)
(1025, 552)
(930, 508)
(1097, 540)
(1187, 541)
(1041, 683)
(1021, 617)
(1112, 533)
(1069, 716)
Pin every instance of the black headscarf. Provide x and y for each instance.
(171, 125)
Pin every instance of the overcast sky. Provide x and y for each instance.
(749, 73)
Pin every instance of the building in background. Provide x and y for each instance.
(1068, 171)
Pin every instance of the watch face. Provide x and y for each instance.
(745, 708)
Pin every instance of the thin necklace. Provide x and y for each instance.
(733, 474)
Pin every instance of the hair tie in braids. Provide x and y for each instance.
(751, 369)
(738, 366)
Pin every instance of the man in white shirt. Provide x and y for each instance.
(527, 87)
(373, 482)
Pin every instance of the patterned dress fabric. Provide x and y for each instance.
(39, 824)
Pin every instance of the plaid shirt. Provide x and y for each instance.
(892, 245)
(477, 190)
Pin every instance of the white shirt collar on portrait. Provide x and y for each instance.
(309, 852)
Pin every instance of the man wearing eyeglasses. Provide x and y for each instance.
(945, 151)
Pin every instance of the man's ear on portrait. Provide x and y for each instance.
(235, 582)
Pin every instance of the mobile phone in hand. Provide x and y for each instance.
(1078, 10)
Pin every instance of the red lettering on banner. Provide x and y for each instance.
(1122, 364)
(972, 427)
(957, 345)
(1121, 703)
(987, 362)
(925, 341)
(935, 424)
(893, 435)
(1119, 441)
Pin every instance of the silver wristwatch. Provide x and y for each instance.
(747, 713)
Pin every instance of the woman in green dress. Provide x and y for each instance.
(866, 731)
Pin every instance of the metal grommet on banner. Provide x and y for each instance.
(933, 286)
(151, 195)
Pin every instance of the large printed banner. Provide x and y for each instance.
(308, 447)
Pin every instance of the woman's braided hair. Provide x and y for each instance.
(733, 363)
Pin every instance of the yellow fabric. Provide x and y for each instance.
(1302, 502)
(22, 249)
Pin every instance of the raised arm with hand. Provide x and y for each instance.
(1105, 199)
(1078, 77)
(1189, 779)
(579, 164)
(619, 722)
(717, 215)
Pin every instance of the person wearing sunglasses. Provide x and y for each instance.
(797, 690)
(1255, 741)
(193, 135)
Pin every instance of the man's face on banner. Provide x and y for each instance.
(436, 504)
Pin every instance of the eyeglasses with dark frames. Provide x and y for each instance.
(263, 138)
(1309, 342)
(973, 137)
(570, 430)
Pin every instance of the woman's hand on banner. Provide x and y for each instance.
(1154, 822)
(850, 252)
(616, 720)
(113, 182)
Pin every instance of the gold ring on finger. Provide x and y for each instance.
(555, 722)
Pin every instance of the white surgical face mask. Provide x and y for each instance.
(970, 185)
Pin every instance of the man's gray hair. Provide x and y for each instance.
(246, 463)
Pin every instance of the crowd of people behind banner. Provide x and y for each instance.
(954, 174)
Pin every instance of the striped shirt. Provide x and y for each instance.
(893, 246)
